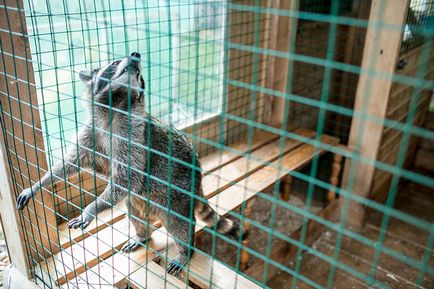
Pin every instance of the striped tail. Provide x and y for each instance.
(223, 225)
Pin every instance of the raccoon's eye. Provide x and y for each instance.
(125, 70)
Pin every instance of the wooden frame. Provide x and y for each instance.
(381, 53)
(27, 139)
(8, 213)
(385, 48)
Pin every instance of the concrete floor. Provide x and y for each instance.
(402, 237)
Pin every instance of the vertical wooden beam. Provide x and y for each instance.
(334, 178)
(21, 130)
(381, 52)
(10, 219)
(286, 188)
(286, 32)
(344, 87)
(273, 26)
(245, 256)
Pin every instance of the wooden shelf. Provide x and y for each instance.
(92, 256)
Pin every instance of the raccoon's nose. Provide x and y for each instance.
(136, 55)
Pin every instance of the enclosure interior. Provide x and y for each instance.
(209, 70)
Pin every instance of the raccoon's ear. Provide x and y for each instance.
(85, 76)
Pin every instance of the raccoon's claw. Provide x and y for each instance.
(174, 267)
(133, 244)
(80, 221)
(177, 264)
(24, 198)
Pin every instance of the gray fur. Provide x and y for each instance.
(134, 169)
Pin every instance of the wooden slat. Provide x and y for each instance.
(209, 163)
(234, 196)
(70, 261)
(226, 201)
(103, 219)
(231, 198)
(69, 237)
(154, 276)
(206, 272)
(218, 159)
(115, 269)
(241, 168)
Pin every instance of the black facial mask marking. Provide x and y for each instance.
(106, 75)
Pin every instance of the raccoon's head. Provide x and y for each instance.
(118, 84)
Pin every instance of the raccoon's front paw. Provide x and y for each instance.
(134, 243)
(81, 221)
(24, 198)
(177, 264)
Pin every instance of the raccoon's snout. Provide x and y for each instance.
(136, 55)
(134, 62)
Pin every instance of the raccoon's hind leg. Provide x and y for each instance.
(182, 230)
(143, 224)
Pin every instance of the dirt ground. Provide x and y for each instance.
(402, 237)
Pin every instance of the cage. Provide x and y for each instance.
(308, 117)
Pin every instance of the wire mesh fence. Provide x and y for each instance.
(239, 131)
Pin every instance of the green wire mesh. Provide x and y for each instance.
(205, 67)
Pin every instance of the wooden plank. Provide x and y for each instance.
(259, 181)
(231, 198)
(88, 252)
(219, 159)
(223, 178)
(154, 276)
(206, 272)
(114, 270)
(373, 92)
(209, 163)
(103, 219)
(224, 202)
(77, 192)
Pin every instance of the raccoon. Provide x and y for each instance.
(149, 163)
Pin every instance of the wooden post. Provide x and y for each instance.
(24, 142)
(334, 178)
(245, 256)
(352, 55)
(286, 188)
(380, 55)
(286, 33)
(10, 219)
